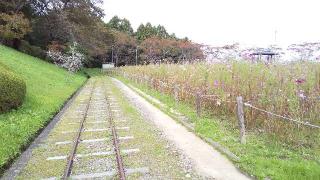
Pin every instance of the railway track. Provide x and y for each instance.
(98, 136)
(68, 169)
(121, 171)
(100, 104)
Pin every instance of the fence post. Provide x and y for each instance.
(136, 79)
(152, 83)
(240, 114)
(198, 103)
(145, 80)
(176, 93)
(161, 87)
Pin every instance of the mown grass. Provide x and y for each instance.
(48, 87)
(263, 156)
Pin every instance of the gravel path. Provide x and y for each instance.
(208, 161)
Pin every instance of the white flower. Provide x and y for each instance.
(72, 62)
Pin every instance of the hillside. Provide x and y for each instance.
(48, 87)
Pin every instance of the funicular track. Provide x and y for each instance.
(92, 140)
(121, 171)
(73, 152)
(115, 139)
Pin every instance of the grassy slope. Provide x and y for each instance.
(48, 87)
(260, 157)
(92, 71)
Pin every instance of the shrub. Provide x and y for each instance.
(32, 50)
(72, 61)
(12, 89)
(91, 62)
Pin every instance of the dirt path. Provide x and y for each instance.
(145, 153)
(208, 162)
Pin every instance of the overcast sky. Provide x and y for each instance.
(218, 22)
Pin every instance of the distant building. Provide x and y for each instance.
(264, 54)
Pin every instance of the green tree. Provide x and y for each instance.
(64, 22)
(145, 31)
(126, 26)
(14, 26)
(162, 32)
(122, 25)
(140, 34)
(13, 6)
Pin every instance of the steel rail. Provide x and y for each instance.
(68, 168)
(121, 171)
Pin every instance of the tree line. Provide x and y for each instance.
(38, 26)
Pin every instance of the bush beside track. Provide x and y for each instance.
(48, 87)
(12, 90)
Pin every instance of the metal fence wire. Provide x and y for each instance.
(208, 97)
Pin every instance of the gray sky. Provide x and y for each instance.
(218, 22)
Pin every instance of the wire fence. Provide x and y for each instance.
(177, 90)
(306, 123)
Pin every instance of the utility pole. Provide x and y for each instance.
(112, 55)
(136, 55)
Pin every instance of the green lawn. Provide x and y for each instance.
(262, 156)
(48, 87)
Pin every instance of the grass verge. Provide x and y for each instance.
(92, 72)
(48, 87)
(262, 156)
